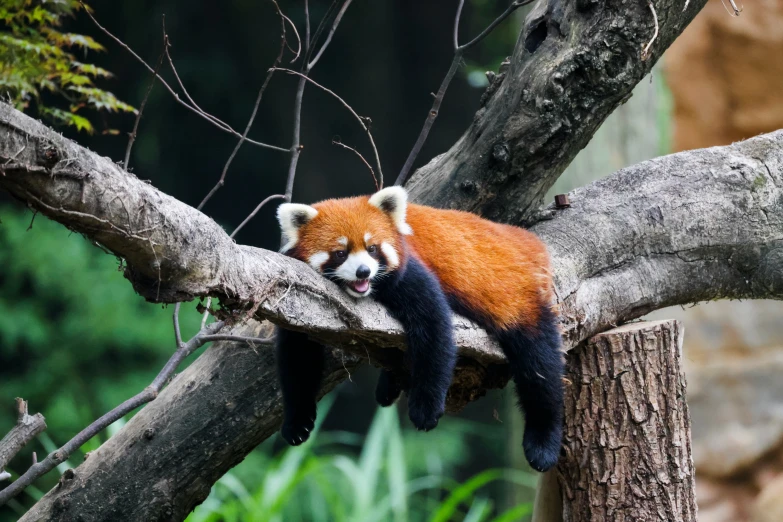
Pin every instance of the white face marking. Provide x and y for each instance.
(347, 271)
(392, 259)
(367, 237)
(343, 240)
(317, 260)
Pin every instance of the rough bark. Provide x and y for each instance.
(692, 226)
(649, 236)
(574, 63)
(627, 436)
(698, 225)
(155, 469)
(26, 428)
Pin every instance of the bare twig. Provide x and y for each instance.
(255, 211)
(456, 25)
(298, 40)
(296, 146)
(267, 79)
(737, 10)
(497, 21)
(337, 141)
(193, 108)
(363, 121)
(646, 50)
(132, 137)
(459, 51)
(206, 313)
(319, 30)
(336, 22)
(26, 428)
(206, 335)
(177, 332)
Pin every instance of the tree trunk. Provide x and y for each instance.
(627, 438)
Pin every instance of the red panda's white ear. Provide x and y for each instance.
(292, 217)
(394, 202)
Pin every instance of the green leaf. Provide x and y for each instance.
(36, 57)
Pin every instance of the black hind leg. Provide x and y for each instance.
(388, 389)
(537, 367)
(300, 364)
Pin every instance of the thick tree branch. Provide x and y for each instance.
(574, 63)
(698, 225)
(26, 428)
(688, 227)
(217, 410)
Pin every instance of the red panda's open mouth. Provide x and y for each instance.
(360, 286)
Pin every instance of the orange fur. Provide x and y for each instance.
(499, 272)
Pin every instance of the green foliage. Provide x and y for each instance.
(36, 58)
(75, 340)
(386, 481)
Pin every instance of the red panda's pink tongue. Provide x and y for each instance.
(361, 286)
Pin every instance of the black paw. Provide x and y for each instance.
(388, 389)
(297, 430)
(424, 411)
(542, 450)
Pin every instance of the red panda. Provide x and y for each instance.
(422, 263)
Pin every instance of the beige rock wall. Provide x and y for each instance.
(726, 74)
(726, 78)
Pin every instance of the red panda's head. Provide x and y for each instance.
(351, 241)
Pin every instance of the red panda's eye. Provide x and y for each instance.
(371, 249)
(340, 254)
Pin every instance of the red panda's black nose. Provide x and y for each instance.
(363, 272)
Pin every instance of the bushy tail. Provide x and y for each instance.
(537, 367)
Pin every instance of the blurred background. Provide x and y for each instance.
(75, 340)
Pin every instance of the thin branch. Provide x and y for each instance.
(336, 22)
(336, 141)
(296, 33)
(26, 428)
(433, 114)
(497, 21)
(307, 27)
(267, 79)
(133, 133)
(361, 119)
(296, 146)
(216, 122)
(319, 30)
(737, 10)
(177, 332)
(252, 341)
(459, 50)
(206, 335)
(255, 211)
(206, 313)
(646, 50)
(456, 25)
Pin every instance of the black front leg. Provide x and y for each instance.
(416, 299)
(300, 365)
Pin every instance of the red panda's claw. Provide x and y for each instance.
(296, 432)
